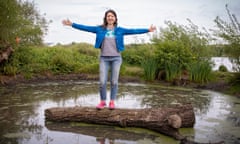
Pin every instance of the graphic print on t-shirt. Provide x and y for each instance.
(110, 33)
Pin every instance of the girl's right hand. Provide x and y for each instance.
(67, 22)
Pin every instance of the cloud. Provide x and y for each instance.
(131, 13)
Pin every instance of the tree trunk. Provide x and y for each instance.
(4, 55)
(163, 120)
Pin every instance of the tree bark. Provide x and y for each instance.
(4, 55)
(163, 120)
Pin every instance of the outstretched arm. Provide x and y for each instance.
(138, 30)
(92, 29)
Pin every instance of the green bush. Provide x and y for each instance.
(222, 68)
(10, 70)
(58, 59)
(92, 68)
(61, 63)
(83, 48)
(172, 53)
(177, 47)
(136, 53)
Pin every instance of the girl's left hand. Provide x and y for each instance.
(152, 28)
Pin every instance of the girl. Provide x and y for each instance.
(109, 38)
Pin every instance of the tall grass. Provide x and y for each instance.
(172, 71)
(200, 71)
(150, 69)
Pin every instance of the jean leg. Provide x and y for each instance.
(115, 69)
(104, 66)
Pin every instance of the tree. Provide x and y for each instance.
(21, 22)
(230, 33)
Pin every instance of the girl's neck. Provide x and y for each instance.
(110, 26)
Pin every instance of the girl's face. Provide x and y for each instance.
(111, 18)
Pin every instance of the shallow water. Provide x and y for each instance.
(22, 118)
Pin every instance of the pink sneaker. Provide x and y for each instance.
(101, 105)
(111, 105)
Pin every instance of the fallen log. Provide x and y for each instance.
(164, 120)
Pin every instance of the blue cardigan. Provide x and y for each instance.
(101, 31)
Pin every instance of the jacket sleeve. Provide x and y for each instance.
(86, 28)
(134, 31)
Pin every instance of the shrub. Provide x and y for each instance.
(57, 59)
(136, 53)
(84, 48)
(177, 47)
(10, 70)
(222, 68)
(172, 53)
(91, 68)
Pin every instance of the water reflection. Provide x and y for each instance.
(101, 132)
(22, 114)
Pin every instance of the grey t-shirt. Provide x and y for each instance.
(109, 47)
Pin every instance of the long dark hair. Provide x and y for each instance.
(105, 18)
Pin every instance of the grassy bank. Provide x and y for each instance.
(59, 59)
(56, 60)
(140, 62)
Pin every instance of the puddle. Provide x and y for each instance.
(22, 118)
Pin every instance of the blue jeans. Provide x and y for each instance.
(114, 63)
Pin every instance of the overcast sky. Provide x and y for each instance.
(131, 14)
